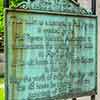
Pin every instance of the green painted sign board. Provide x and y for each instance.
(50, 55)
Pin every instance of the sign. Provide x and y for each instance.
(50, 55)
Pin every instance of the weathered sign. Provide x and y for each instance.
(50, 55)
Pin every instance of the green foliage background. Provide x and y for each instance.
(1, 20)
(1, 15)
(13, 4)
(2, 90)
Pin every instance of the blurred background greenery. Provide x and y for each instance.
(2, 90)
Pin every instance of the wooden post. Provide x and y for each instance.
(94, 6)
(93, 97)
(6, 3)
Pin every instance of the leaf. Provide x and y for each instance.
(1, 3)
